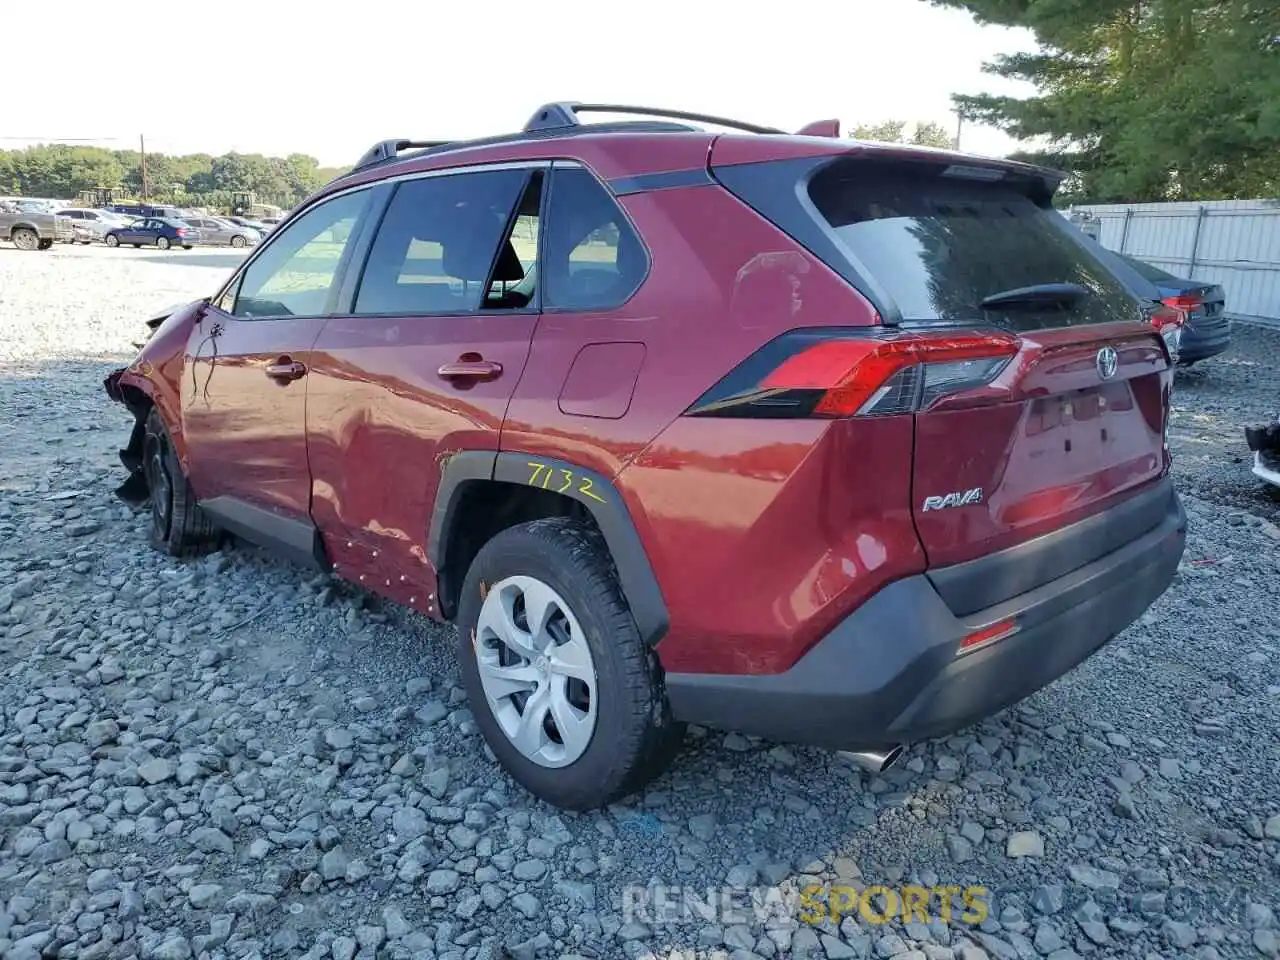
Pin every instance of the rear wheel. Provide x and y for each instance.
(178, 526)
(112, 240)
(25, 239)
(237, 241)
(163, 243)
(566, 694)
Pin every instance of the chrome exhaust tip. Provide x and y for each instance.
(875, 760)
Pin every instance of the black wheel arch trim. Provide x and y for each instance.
(591, 489)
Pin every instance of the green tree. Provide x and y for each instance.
(926, 134)
(1143, 99)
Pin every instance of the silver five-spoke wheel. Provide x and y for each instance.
(536, 671)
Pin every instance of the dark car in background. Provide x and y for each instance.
(1206, 331)
(159, 232)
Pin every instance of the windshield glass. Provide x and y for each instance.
(940, 245)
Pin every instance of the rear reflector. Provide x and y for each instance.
(845, 373)
(989, 634)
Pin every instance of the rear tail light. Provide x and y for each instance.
(181, 231)
(1189, 304)
(1169, 317)
(848, 372)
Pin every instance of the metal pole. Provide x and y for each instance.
(142, 148)
(959, 127)
(1195, 242)
(1124, 230)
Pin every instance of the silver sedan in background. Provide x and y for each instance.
(216, 231)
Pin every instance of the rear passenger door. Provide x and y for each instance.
(421, 362)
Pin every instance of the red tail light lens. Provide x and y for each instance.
(1169, 317)
(847, 373)
(180, 231)
(1186, 303)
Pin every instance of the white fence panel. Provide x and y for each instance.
(1232, 242)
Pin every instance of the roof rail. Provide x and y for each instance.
(387, 149)
(552, 116)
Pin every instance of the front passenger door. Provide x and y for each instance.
(247, 366)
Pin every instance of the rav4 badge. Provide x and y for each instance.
(958, 498)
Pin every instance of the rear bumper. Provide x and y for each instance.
(890, 673)
(1204, 339)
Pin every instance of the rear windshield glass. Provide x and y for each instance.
(1146, 270)
(940, 245)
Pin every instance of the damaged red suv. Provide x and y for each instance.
(831, 442)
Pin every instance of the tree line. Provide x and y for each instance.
(58, 170)
(1143, 100)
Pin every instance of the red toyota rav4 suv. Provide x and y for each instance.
(835, 443)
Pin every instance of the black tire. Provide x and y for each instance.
(111, 240)
(178, 526)
(238, 241)
(635, 737)
(44, 245)
(137, 246)
(186, 246)
(163, 243)
(25, 239)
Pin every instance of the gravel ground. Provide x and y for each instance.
(232, 758)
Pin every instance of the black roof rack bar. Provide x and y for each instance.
(556, 115)
(387, 149)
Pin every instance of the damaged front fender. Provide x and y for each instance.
(153, 381)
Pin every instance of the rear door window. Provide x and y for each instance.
(939, 245)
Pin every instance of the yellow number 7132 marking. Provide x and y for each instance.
(561, 480)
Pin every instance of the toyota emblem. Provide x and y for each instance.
(1107, 362)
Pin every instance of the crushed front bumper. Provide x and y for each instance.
(134, 490)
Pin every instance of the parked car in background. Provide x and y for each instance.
(1206, 331)
(1167, 321)
(262, 228)
(219, 232)
(97, 222)
(147, 210)
(80, 233)
(159, 232)
(32, 229)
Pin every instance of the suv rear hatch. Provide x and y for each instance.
(1064, 420)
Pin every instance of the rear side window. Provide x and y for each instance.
(593, 259)
(939, 245)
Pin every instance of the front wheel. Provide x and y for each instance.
(237, 241)
(565, 692)
(178, 526)
(112, 240)
(163, 243)
(25, 239)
